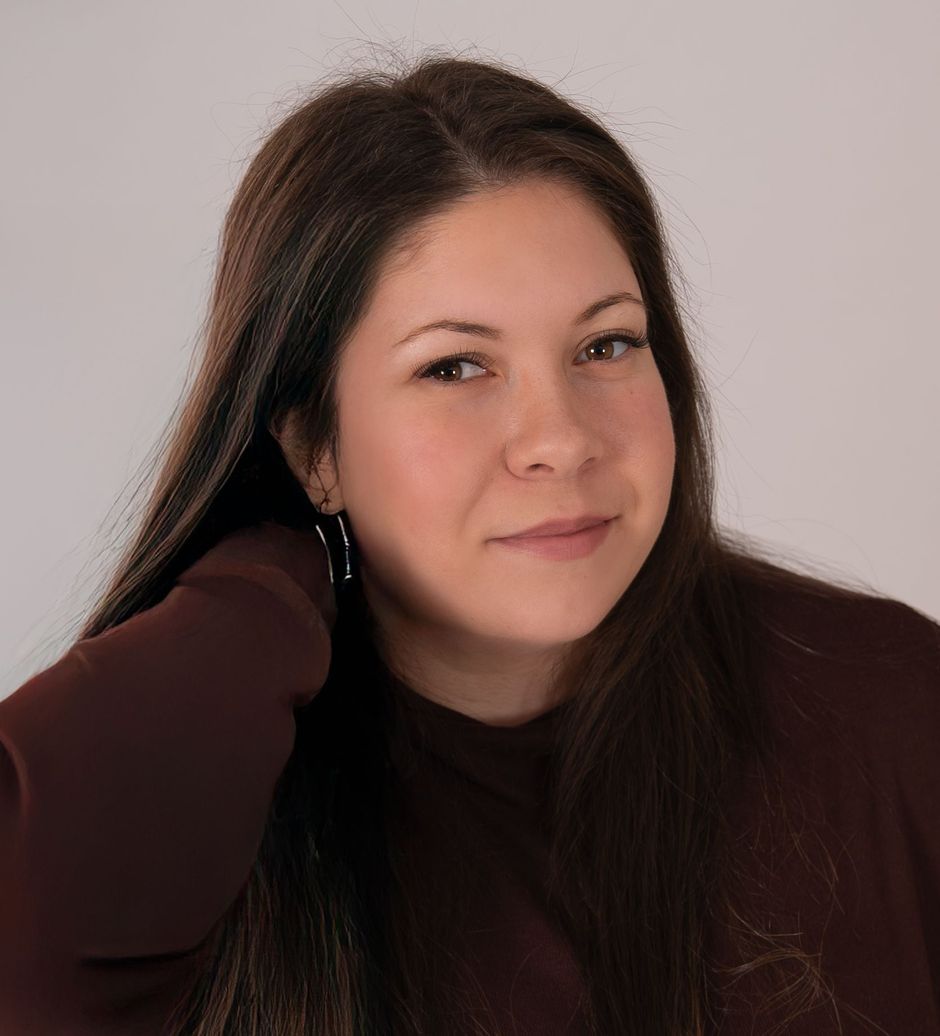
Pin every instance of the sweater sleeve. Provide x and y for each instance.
(136, 775)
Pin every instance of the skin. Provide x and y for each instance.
(430, 470)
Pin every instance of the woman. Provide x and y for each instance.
(340, 752)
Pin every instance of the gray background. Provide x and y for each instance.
(793, 149)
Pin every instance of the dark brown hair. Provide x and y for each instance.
(331, 934)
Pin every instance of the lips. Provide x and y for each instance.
(560, 526)
(569, 547)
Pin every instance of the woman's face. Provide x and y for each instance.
(433, 469)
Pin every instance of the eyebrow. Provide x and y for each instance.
(483, 331)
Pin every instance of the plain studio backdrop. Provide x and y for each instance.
(793, 149)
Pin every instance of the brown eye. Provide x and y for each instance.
(450, 362)
(632, 341)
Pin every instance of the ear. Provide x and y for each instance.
(320, 480)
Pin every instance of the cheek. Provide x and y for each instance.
(411, 493)
(643, 422)
(660, 436)
(661, 461)
(645, 443)
(408, 467)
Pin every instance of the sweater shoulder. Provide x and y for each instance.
(856, 669)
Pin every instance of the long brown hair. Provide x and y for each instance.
(331, 935)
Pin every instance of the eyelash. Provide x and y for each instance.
(424, 370)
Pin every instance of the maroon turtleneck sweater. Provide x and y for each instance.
(136, 774)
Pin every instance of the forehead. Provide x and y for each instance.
(533, 241)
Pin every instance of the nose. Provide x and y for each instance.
(555, 429)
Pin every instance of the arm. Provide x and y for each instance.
(137, 772)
